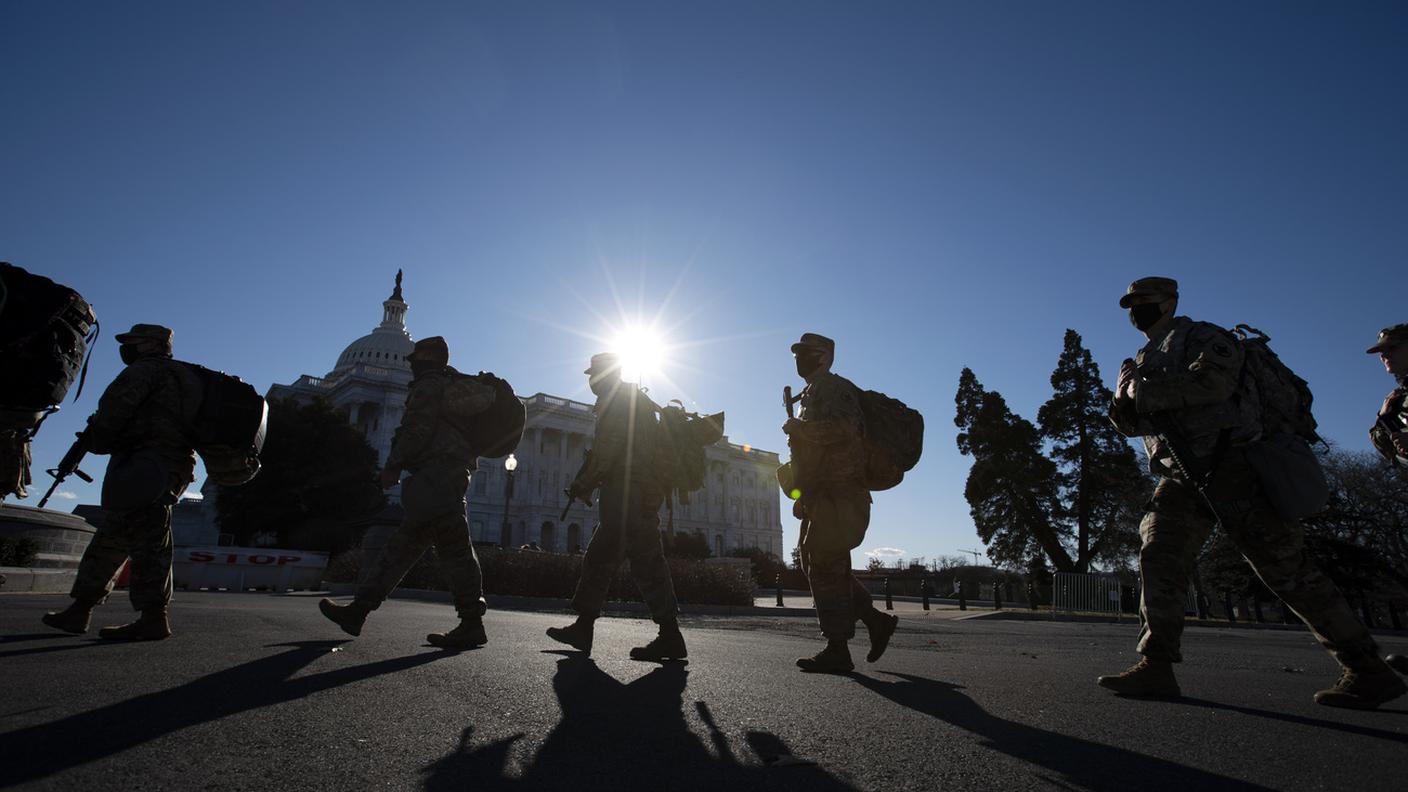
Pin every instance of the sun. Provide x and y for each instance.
(643, 353)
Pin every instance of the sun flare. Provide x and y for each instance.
(643, 353)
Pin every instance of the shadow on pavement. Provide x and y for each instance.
(39, 751)
(1352, 728)
(1088, 765)
(626, 736)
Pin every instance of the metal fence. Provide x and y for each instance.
(1077, 593)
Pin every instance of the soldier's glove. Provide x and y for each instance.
(792, 425)
(798, 510)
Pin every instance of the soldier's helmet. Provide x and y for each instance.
(814, 342)
(432, 350)
(1390, 337)
(147, 334)
(1150, 286)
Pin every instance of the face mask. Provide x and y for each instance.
(806, 364)
(420, 368)
(1146, 315)
(128, 353)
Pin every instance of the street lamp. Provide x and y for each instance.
(510, 465)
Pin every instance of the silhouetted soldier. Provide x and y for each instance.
(141, 421)
(440, 460)
(1390, 431)
(828, 462)
(622, 464)
(1185, 384)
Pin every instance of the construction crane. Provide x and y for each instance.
(975, 554)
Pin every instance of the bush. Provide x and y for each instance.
(554, 575)
(18, 551)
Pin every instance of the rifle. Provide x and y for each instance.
(68, 466)
(788, 400)
(1382, 438)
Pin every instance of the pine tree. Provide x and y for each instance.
(1011, 489)
(1099, 480)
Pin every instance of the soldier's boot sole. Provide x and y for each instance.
(578, 639)
(880, 633)
(664, 647)
(349, 617)
(460, 638)
(1147, 682)
(73, 619)
(1366, 693)
(827, 661)
(144, 629)
(1398, 663)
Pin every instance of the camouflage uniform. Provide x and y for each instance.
(141, 422)
(828, 459)
(14, 463)
(440, 460)
(1191, 377)
(622, 464)
(1393, 415)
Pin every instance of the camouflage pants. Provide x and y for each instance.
(630, 529)
(835, 526)
(14, 464)
(144, 535)
(1173, 530)
(433, 498)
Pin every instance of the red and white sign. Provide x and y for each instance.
(241, 568)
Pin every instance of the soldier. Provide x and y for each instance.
(440, 460)
(828, 463)
(141, 422)
(622, 464)
(1389, 433)
(1184, 385)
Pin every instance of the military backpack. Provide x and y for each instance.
(46, 330)
(894, 439)
(683, 437)
(493, 432)
(1283, 396)
(228, 421)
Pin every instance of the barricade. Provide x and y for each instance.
(241, 568)
(1076, 593)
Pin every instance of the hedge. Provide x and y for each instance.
(18, 552)
(554, 575)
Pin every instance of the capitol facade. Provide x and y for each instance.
(738, 507)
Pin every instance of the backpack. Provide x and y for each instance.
(1284, 397)
(894, 439)
(493, 432)
(46, 330)
(682, 438)
(228, 421)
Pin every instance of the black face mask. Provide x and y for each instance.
(128, 353)
(807, 365)
(1146, 315)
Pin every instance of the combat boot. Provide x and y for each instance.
(1364, 689)
(73, 619)
(150, 626)
(668, 645)
(1147, 678)
(834, 659)
(469, 634)
(349, 617)
(577, 635)
(1398, 663)
(880, 626)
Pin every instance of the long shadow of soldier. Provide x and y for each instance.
(625, 736)
(1078, 762)
(39, 751)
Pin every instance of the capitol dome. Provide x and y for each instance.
(388, 345)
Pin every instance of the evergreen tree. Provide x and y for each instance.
(317, 477)
(1102, 488)
(1011, 489)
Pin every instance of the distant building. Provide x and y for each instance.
(738, 507)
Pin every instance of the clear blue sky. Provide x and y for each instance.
(935, 185)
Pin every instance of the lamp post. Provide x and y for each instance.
(510, 465)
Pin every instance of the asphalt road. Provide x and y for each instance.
(259, 692)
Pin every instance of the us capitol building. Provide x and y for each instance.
(738, 507)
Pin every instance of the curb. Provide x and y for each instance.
(36, 580)
(504, 602)
(1021, 615)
